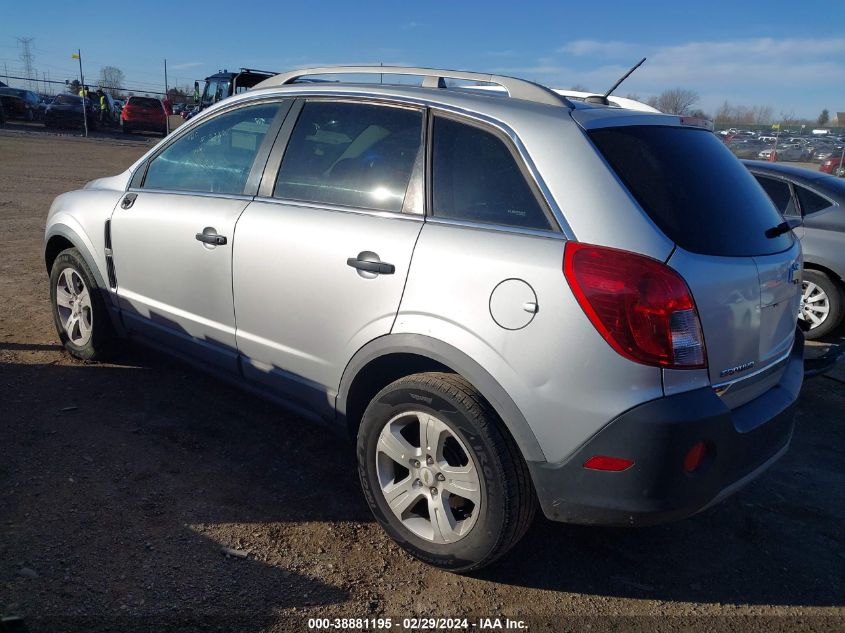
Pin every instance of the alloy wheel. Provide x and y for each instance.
(815, 304)
(428, 477)
(73, 303)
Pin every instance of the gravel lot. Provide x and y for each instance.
(120, 483)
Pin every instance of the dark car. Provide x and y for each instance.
(19, 104)
(66, 111)
(747, 148)
(819, 200)
(143, 113)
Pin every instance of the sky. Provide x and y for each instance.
(784, 54)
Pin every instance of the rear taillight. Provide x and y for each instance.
(641, 307)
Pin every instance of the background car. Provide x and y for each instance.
(66, 111)
(819, 200)
(20, 104)
(784, 152)
(746, 147)
(826, 152)
(835, 166)
(143, 114)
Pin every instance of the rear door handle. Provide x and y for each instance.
(380, 268)
(211, 238)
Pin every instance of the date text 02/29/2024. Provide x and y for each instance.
(416, 624)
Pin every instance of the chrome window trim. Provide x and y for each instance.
(305, 204)
(291, 92)
(201, 194)
(481, 118)
(499, 228)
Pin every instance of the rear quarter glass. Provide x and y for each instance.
(693, 188)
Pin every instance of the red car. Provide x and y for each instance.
(833, 166)
(143, 113)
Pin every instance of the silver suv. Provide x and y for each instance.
(508, 298)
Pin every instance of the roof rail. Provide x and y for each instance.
(432, 78)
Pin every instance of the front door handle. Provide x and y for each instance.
(211, 238)
(379, 268)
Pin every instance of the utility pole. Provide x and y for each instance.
(78, 56)
(166, 113)
(26, 57)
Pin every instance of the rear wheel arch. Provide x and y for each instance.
(395, 356)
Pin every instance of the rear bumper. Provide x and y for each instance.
(657, 435)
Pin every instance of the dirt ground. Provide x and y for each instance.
(121, 483)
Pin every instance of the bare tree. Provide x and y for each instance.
(579, 88)
(111, 79)
(675, 101)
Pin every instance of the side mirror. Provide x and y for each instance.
(196, 91)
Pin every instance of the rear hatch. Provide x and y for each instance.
(745, 282)
(145, 109)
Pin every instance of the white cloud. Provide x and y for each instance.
(580, 48)
(185, 66)
(798, 74)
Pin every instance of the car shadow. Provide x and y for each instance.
(163, 458)
(125, 483)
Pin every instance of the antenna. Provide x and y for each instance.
(603, 99)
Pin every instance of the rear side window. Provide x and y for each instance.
(810, 202)
(691, 186)
(351, 154)
(216, 156)
(476, 178)
(780, 194)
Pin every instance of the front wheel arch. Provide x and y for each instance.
(55, 245)
(62, 237)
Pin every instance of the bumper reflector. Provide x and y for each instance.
(611, 464)
(695, 456)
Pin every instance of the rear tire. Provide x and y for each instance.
(80, 314)
(821, 299)
(471, 500)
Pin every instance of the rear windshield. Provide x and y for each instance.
(145, 102)
(693, 188)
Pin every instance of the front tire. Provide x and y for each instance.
(821, 304)
(441, 474)
(79, 311)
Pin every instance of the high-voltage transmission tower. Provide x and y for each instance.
(25, 44)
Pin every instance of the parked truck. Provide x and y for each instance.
(225, 84)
